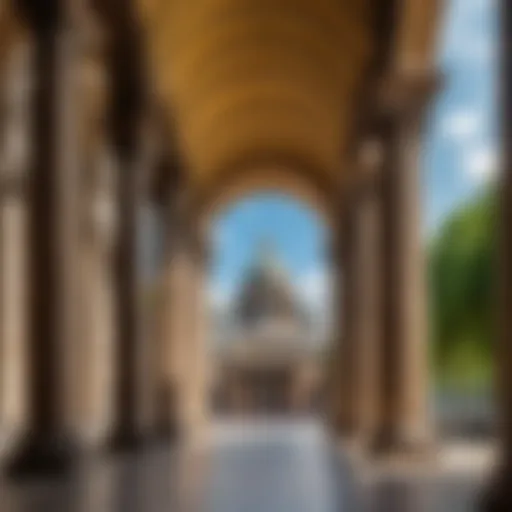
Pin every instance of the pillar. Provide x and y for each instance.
(333, 402)
(498, 496)
(344, 265)
(195, 372)
(366, 302)
(170, 315)
(49, 442)
(13, 240)
(97, 231)
(360, 345)
(133, 422)
(13, 254)
(331, 408)
(182, 388)
(403, 419)
(133, 417)
(201, 364)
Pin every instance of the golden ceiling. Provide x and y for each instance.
(9, 31)
(255, 79)
(264, 83)
(250, 81)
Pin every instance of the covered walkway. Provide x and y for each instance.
(184, 106)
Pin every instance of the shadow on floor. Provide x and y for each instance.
(287, 467)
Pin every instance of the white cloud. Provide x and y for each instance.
(468, 38)
(479, 160)
(461, 124)
(483, 49)
(219, 296)
(482, 164)
(220, 236)
(472, 52)
(314, 287)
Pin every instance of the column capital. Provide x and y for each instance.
(407, 92)
(403, 422)
(46, 18)
(370, 158)
(364, 181)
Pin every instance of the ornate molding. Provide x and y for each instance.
(401, 92)
(269, 172)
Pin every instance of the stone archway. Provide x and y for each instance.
(301, 106)
(265, 371)
(319, 196)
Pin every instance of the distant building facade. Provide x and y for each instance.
(269, 361)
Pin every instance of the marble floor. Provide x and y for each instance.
(245, 467)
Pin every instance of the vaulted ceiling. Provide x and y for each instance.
(258, 84)
(261, 82)
(252, 82)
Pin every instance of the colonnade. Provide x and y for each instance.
(84, 352)
(383, 367)
(86, 372)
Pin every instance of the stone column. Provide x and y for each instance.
(134, 396)
(498, 497)
(403, 421)
(13, 254)
(170, 315)
(94, 403)
(345, 279)
(333, 363)
(134, 421)
(182, 344)
(366, 303)
(359, 250)
(48, 444)
(331, 368)
(13, 240)
(196, 375)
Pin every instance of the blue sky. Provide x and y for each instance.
(297, 233)
(460, 146)
(459, 158)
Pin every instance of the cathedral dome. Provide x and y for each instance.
(267, 298)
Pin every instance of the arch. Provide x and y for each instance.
(318, 194)
(239, 261)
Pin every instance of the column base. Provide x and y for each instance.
(347, 433)
(39, 456)
(498, 496)
(129, 440)
(167, 431)
(390, 444)
(167, 428)
(345, 429)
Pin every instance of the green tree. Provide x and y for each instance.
(462, 284)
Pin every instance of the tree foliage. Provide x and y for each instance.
(462, 286)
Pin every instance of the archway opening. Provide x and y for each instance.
(270, 307)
